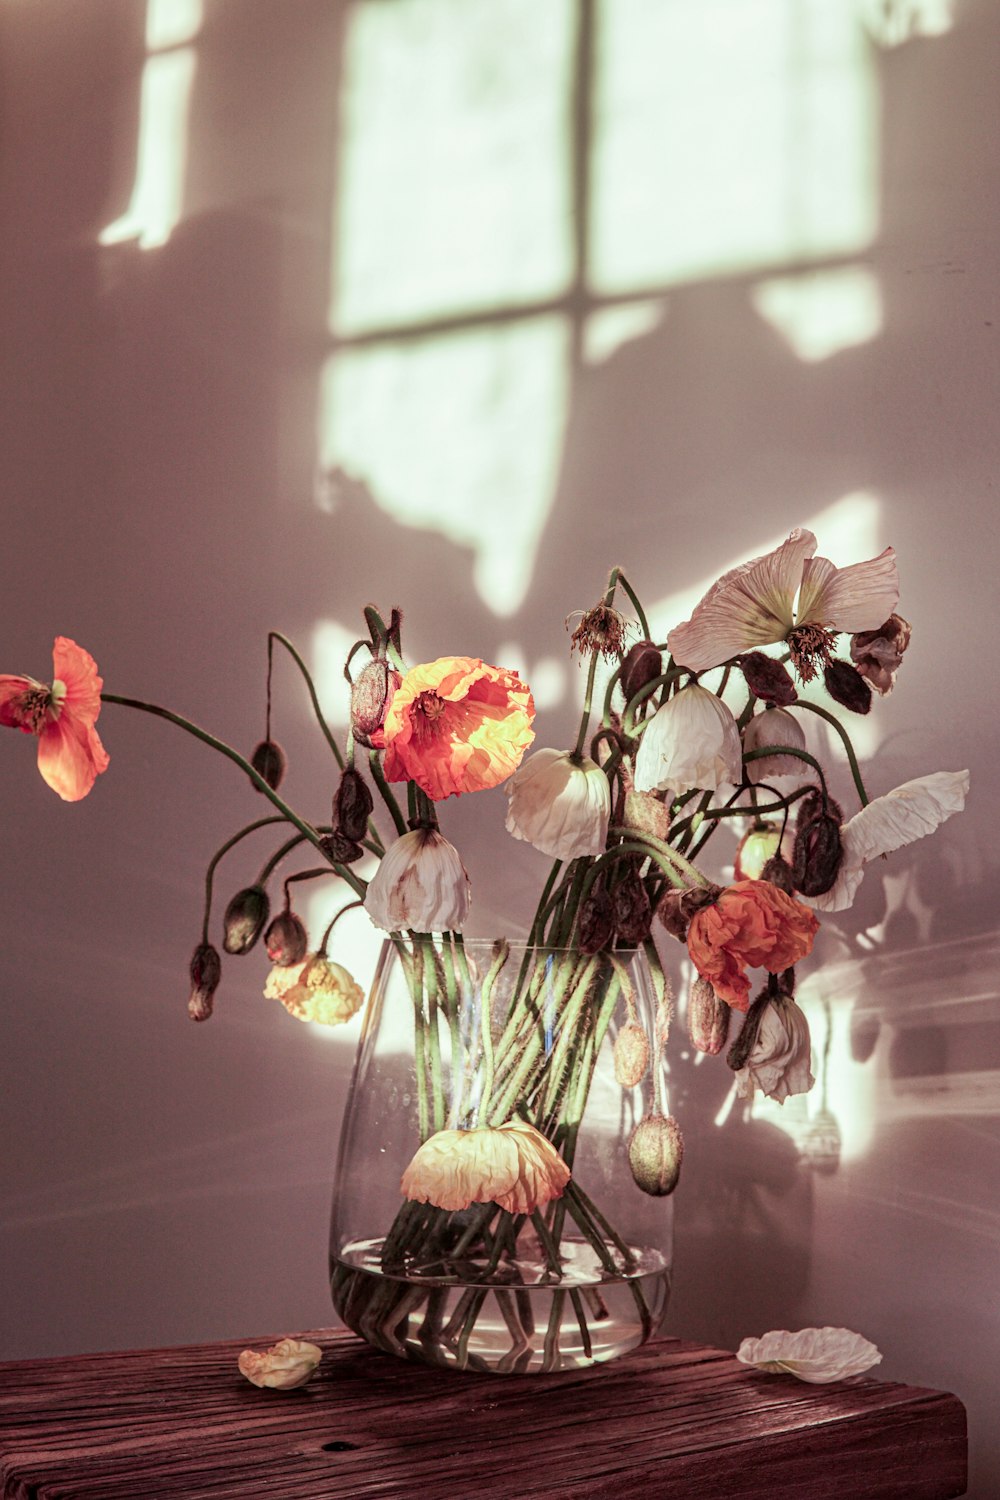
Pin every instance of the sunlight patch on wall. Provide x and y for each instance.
(157, 201)
(823, 312)
(607, 330)
(893, 22)
(461, 435)
(453, 189)
(355, 943)
(331, 643)
(546, 677)
(732, 135)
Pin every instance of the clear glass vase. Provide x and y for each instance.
(465, 1036)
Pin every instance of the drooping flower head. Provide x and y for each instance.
(457, 725)
(513, 1165)
(421, 884)
(755, 605)
(560, 803)
(62, 715)
(779, 1060)
(691, 741)
(878, 654)
(321, 991)
(753, 924)
(774, 727)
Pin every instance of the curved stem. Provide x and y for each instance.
(814, 708)
(210, 872)
(275, 635)
(640, 612)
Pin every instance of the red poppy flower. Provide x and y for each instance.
(62, 715)
(754, 924)
(457, 725)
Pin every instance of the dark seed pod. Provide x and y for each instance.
(245, 919)
(655, 1153)
(767, 679)
(642, 665)
(847, 687)
(270, 763)
(352, 805)
(286, 939)
(779, 872)
(205, 972)
(817, 854)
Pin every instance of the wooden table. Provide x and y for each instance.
(673, 1420)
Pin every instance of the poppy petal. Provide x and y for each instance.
(860, 597)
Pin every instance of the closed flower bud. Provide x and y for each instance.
(642, 665)
(596, 920)
(371, 694)
(655, 1153)
(245, 919)
(847, 687)
(676, 908)
(352, 805)
(779, 872)
(286, 940)
(339, 849)
(708, 1018)
(205, 971)
(767, 679)
(270, 762)
(633, 914)
(754, 850)
(818, 851)
(631, 1055)
(647, 813)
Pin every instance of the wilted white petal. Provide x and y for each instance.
(779, 1062)
(691, 742)
(902, 816)
(288, 1363)
(420, 884)
(560, 804)
(818, 1355)
(774, 727)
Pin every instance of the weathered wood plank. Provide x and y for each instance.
(672, 1420)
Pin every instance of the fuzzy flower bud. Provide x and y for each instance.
(708, 1018)
(655, 1153)
(633, 914)
(631, 1055)
(818, 851)
(371, 694)
(847, 687)
(779, 872)
(676, 908)
(270, 763)
(352, 805)
(206, 971)
(286, 940)
(767, 679)
(339, 849)
(245, 919)
(642, 665)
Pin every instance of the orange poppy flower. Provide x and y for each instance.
(457, 725)
(62, 715)
(754, 924)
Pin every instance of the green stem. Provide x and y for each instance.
(378, 776)
(640, 612)
(210, 872)
(275, 635)
(814, 708)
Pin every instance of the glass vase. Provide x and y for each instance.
(466, 1036)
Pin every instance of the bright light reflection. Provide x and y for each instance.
(611, 327)
(460, 435)
(822, 313)
(169, 23)
(730, 135)
(157, 203)
(331, 643)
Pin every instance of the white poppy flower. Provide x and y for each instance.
(560, 804)
(818, 1355)
(421, 884)
(691, 742)
(902, 816)
(774, 727)
(779, 1060)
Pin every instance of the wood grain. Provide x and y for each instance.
(673, 1420)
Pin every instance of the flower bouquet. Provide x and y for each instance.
(504, 1175)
